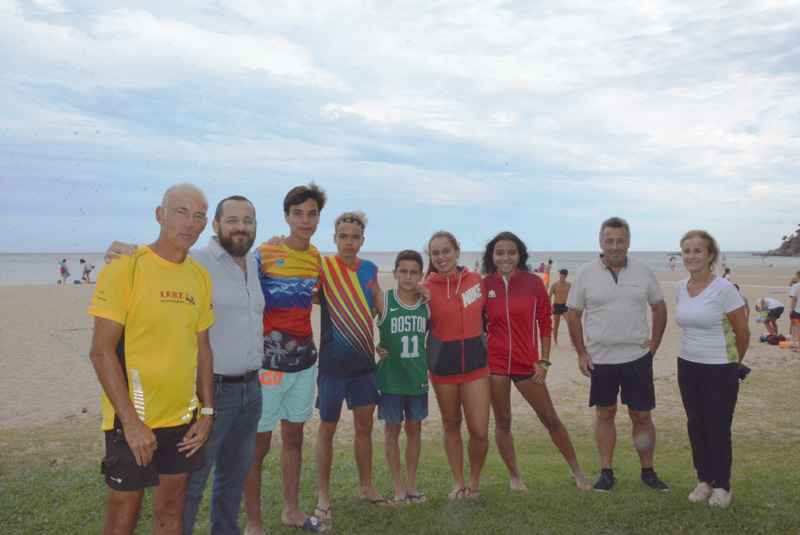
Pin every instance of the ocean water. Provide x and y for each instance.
(43, 268)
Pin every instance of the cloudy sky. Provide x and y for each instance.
(539, 117)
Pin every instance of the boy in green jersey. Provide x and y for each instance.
(403, 372)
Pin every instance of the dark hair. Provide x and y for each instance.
(563, 271)
(218, 213)
(409, 254)
(64, 260)
(736, 286)
(301, 194)
(439, 234)
(615, 222)
(488, 253)
(82, 261)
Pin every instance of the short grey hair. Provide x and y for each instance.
(615, 222)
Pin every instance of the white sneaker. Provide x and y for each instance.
(720, 498)
(701, 493)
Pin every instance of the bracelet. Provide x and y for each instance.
(545, 364)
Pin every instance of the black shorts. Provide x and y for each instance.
(120, 468)
(635, 379)
(775, 312)
(560, 309)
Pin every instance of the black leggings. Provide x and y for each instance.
(709, 393)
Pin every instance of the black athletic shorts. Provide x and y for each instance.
(120, 468)
(635, 379)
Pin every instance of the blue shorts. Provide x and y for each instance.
(392, 407)
(357, 391)
(635, 379)
(286, 396)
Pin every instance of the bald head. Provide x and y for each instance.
(183, 188)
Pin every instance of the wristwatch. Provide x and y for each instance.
(209, 411)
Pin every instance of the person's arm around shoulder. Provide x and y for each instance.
(659, 325)
(118, 248)
(199, 431)
(139, 437)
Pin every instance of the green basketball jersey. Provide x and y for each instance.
(402, 329)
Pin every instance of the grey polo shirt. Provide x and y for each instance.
(615, 312)
(237, 336)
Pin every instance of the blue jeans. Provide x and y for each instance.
(231, 445)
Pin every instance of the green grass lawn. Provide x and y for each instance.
(50, 483)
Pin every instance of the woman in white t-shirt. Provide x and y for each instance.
(713, 343)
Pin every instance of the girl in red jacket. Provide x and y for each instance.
(518, 315)
(457, 364)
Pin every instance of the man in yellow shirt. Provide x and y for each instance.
(151, 352)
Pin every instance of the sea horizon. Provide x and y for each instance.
(43, 267)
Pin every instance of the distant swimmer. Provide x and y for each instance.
(558, 293)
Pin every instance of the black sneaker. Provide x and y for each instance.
(606, 481)
(651, 480)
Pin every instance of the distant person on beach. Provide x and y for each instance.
(727, 274)
(64, 271)
(672, 263)
(235, 340)
(613, 293)
(794, 317)
(87, 270)
(289, 271)
(477, 267)
(457, 360)
(518, 318)
(347, 369)
(714, 341)
(403, 373)
(795, 279)
(546, 276)
(558, 293)
(160, 302)
(773, 309)
(746, 303)
(541, 268)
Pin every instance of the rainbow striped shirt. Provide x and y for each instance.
(347, 348)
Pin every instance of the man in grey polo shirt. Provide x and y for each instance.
(611, 294)
(237, 345)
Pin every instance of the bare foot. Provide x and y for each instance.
(580, 479)
(517, 484)
(400, 497)
(254, 530)
(473, 494)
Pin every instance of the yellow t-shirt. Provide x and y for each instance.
(162, 306)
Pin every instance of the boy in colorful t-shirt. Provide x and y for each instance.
(403, 372)
(289, 271)
(348, 292)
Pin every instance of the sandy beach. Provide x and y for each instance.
(45, 336)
